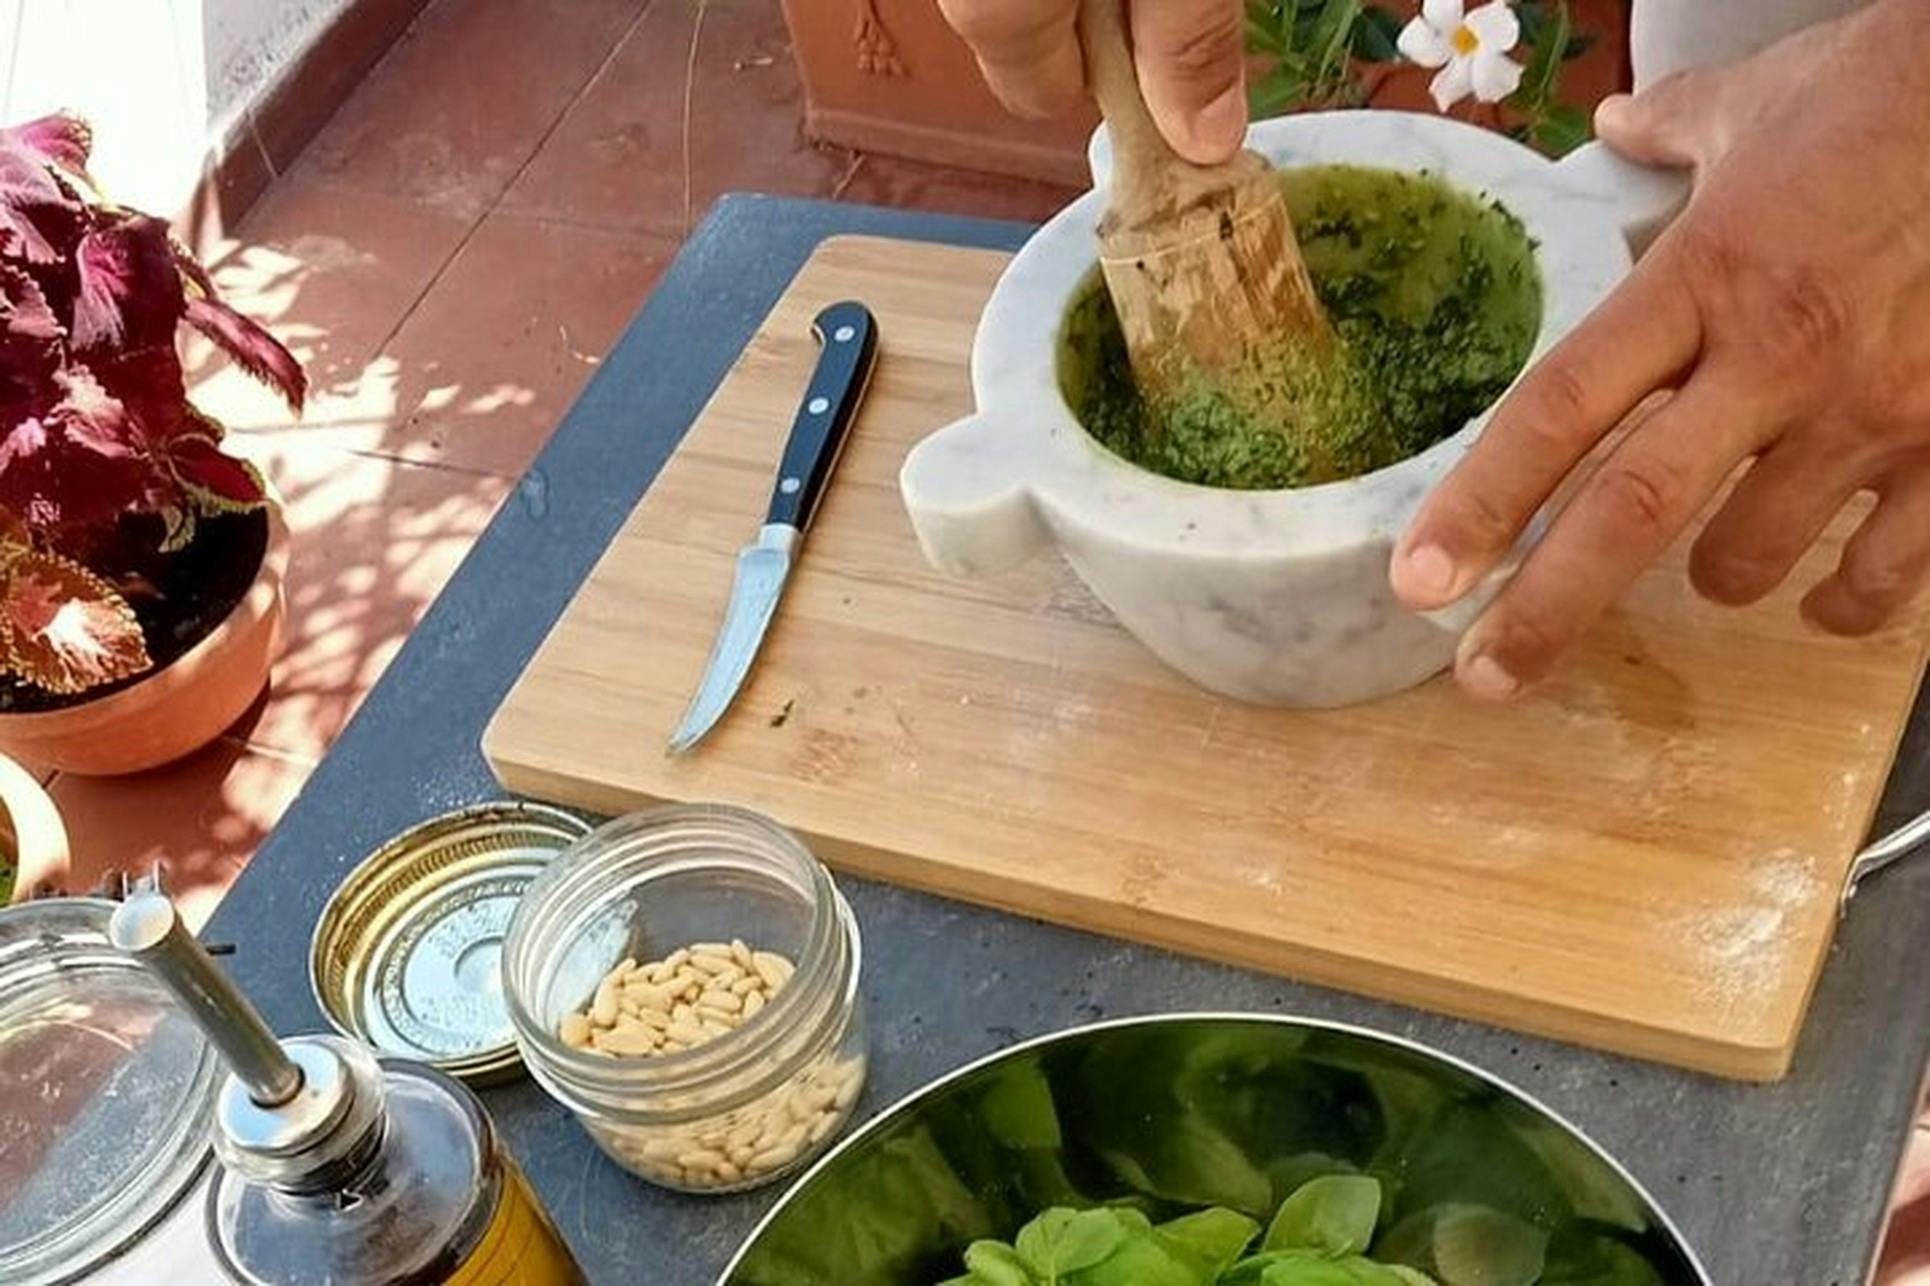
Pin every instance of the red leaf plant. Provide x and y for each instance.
(95, 423)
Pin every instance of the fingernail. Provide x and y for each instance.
(1219, 128)
(1484, 677)
(1427, 570)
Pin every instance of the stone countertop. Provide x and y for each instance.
(1785, 1183)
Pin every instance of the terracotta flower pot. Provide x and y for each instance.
(33, 840)
(177, 709)
(890, 76)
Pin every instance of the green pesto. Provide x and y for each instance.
(1435, 297)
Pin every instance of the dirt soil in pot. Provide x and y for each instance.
(179, 598)
(1434, 294)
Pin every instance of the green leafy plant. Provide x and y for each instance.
(1320, 1236)
(1548, 30)
(1313, 50)
(1317, 54)
(103, 459)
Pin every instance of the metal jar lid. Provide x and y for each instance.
(405, 956)
(109, 1092)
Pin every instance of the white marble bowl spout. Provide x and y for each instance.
(1278, 597)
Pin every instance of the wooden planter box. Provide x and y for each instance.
(889, 76)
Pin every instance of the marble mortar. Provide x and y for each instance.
(1276, 597)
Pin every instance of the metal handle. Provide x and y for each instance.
(146, 928)
(1900, 843)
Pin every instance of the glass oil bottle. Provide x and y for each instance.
(340, 1167)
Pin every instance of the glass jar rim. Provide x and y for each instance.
(627, 852)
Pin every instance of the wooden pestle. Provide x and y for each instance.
(1201, 260)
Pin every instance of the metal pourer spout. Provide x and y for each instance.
(147, 929)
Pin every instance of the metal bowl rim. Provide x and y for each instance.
(889, 1113)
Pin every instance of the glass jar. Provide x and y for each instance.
(749, 1106)
(107, 1097)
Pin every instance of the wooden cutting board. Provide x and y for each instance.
(1648, 856)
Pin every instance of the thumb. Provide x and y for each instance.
(1671, 123)
(1192, 69)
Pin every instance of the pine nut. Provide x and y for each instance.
(774, 969)
(722, 1001)
(774, 1158)
(634, 1039)
(696, 994)
(603, 1010)
(575, 1030)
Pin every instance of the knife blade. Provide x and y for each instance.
(848, 337)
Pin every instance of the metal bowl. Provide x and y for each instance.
(1202, 1109)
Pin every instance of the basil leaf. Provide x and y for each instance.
(1334, 1214)
(1062, 1241)
(1476, 1246)
(993, 1263)
(1217, 1236)
(1148, 1259)
(1302, 1268)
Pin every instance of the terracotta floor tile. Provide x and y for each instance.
(1906, 1254)
(496, 352)
(464, 98)
(616, 159)
(913, 185)
(374, 542)
(201, 818)
(332, 272)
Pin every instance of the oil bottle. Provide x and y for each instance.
(338, 1166)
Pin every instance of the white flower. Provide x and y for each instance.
(1471, 50)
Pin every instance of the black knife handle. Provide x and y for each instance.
(849, 336)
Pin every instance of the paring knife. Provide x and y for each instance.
(848, 335)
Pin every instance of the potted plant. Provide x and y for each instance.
(1324, 54)
(141, 565)
(34, 857)
(891, 76)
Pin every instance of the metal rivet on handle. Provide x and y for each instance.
(789, 486)
(843, 334)
(818, 405)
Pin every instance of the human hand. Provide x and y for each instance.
(1789, 305)
(1190, 55)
